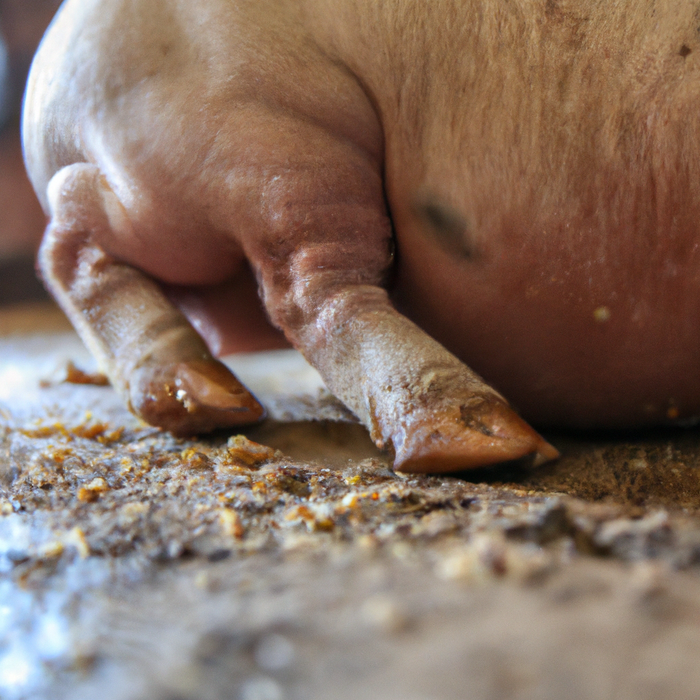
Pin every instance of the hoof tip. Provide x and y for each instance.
(488, 433)
(193, 397)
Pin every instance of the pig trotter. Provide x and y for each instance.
(189, 394)
(148, 349)
(191, 397)
(415, 397)
(478, 432)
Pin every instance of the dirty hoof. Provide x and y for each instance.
(192, 397)
(473, 434)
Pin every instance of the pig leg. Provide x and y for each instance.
(148, 349)
(415, 398)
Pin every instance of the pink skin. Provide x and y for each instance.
(538, 172)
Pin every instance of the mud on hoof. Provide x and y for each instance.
(192, 397)
(465, 435)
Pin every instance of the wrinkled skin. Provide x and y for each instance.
(534, 166)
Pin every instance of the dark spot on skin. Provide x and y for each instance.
(685, 51)
(448, 227)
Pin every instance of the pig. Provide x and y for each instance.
(419, 192)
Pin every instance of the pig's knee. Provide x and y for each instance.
(80, 198)
(77, 213)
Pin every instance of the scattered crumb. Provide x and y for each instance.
(75, 375)
(231, 523)
(247, 453)
(92, 491)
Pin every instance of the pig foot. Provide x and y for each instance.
(474, 432)
(148, 349)
(415, 397)
(190, 396)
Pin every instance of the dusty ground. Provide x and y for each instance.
(290, 562)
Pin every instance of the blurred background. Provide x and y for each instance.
(22, 24)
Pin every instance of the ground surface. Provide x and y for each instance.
(290, 562)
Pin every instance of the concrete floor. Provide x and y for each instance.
(292, 563)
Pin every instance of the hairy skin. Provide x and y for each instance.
(535, 163)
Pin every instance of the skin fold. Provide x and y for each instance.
(508, 187)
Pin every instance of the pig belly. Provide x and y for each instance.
(606, 349)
